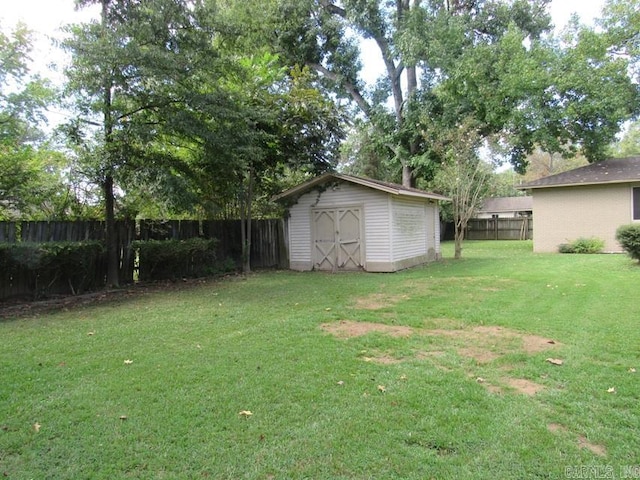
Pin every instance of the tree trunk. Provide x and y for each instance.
(243, 232)
(407, 176)
(247, 244)
(458, 239)
(246, 197)
(113, 252)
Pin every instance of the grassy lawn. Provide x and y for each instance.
(436, 372)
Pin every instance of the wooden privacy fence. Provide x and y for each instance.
(268, 244)
(500, 229)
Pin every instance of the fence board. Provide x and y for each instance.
(8, 232)
(500, 229)
(268, 244)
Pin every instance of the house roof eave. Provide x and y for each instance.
(582, 184)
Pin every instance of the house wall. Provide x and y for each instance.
(563, 214)
(375, 207)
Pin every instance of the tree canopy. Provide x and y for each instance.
(169, 107)
(206, 108)
(31, 176)
(447, 63)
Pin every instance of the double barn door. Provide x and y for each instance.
(337, 239)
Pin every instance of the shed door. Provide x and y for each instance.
(337, 243)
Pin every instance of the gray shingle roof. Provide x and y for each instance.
(392, 188)
(617, 170)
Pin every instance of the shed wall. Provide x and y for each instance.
(433, 224)
(409, 229)
(563, 214)
(376, 221)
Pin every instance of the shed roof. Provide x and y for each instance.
(616, 170)
(507, 204)
(387, 187)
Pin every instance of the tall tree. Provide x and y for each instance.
(541, 164)
(446, 61)
(621, 21)
(26, 176)
(413, 38)
(170, 100)
(629, 144)
(462, 176)
(136, 80)
(287, 125)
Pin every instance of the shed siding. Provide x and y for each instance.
(563, 214)
(375, 209)
(433, 230)
(409, 229)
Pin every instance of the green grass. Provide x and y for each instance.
(202, 354)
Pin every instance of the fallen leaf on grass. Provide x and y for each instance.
(128, 362)
(611, 390)
(341, 383)
(245, 413)
(555, 361)
(382, 388)
(403, 377)
(36, 427)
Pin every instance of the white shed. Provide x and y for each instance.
(341, 222)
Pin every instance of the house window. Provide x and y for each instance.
(636, 203)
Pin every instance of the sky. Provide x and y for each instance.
(45, 17)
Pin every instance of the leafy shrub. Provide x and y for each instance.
(53, 267)
(172, 259)
(629, 237)
(583, 245)
(566, 248)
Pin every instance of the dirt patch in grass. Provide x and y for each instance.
(350, 329)
(520, 385)
(487, 343)
(378, 301)
(478, 353)
(524, 386)
(535, 344)
(483, 344)
(582, 441)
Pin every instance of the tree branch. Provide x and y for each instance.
(333, 8)
(350, 87)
